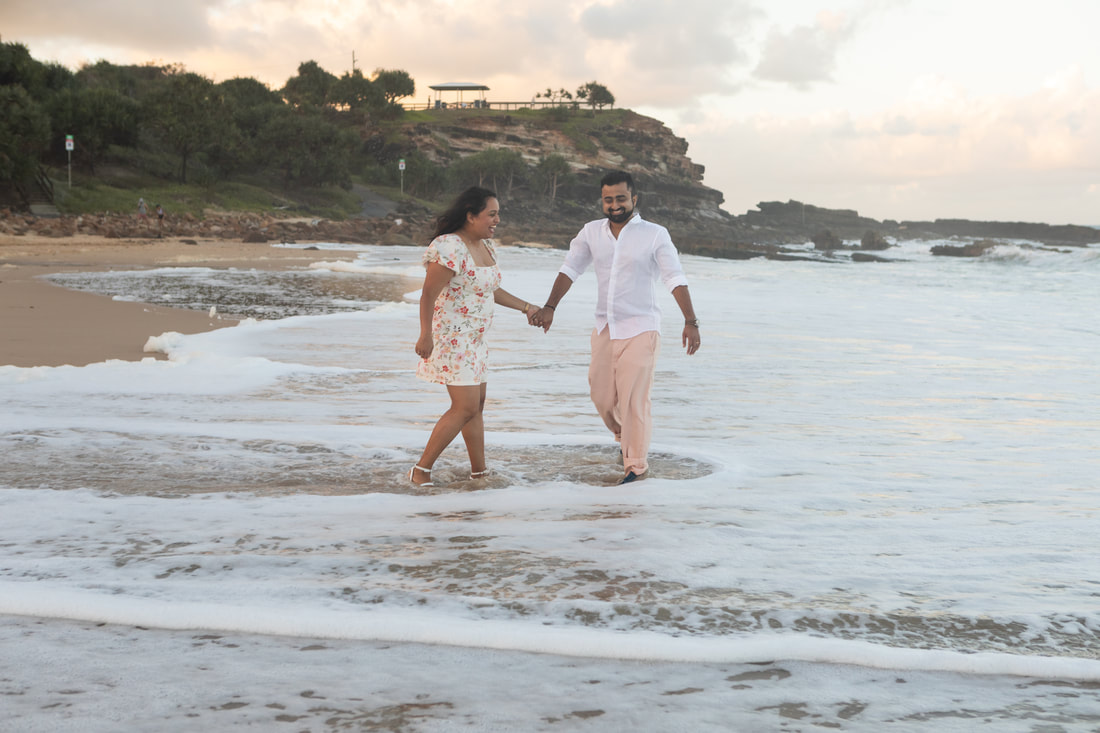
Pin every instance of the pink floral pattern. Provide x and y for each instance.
(462, 315)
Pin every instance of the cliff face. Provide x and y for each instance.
(669, 183)
(604, 141)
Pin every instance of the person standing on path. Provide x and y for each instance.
(461, 286)
(628, 255)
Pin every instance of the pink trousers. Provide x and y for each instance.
(620, 377)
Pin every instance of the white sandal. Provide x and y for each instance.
(481, 474)
(427, 484)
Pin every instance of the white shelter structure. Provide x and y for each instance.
(459, 87)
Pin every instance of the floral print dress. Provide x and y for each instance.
(462, 315)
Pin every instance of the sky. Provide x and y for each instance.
(899, 109)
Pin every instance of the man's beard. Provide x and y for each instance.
(622, 217)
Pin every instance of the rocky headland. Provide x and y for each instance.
(671, 191)
(670, 187)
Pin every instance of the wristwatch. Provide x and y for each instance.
(692, 322)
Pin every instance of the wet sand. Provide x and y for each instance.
(42, 324)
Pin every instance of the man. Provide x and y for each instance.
(628, 254)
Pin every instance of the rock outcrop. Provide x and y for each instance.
(826, 240)
(973, 249)
(669, 183)
(873, 240)
(793, 221)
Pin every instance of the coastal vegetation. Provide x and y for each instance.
(177, 137)
(328, 147)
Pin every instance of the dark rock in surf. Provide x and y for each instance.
(873, 240)
(974, 249)
(825, 239)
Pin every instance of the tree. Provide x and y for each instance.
(311, 87)
(553, 170)
(56, 77)
(504, 166)
(228, 152)
(500, 165)
(597, 95)
(307, 150)
(189, 113)
(97, 118)
(24, 134)
(423, 178)
(357, 93)
(554, 96)
(247, 92)
(26, 86)
(136, 82)
(252, 105)
(18, 68)
(394, 84)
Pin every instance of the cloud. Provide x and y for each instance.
(937, 152)
(805, 54)
(661, 54)
(515, 49)
(152, 27)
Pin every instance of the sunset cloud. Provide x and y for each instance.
(932, 154)
(804, 54)
(147, 27)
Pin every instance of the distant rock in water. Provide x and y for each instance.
(864, 257)
(873, 240)
(974, 249)
(826, 240)
(1067, 234)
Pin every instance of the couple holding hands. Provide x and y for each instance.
(462, 284)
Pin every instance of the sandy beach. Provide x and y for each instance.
(42, 324)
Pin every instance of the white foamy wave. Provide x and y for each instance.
(428, 627)
(334, 246)
(368, 269)
(1039, 255)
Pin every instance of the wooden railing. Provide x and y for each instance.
(488, 104)
(44, 183)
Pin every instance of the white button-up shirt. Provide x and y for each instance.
(627, 268)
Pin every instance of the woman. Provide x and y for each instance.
(461, 284)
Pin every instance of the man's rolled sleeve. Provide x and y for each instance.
(668, 261)
(578, 259)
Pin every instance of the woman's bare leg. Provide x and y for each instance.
(466, 403)
(473, 433)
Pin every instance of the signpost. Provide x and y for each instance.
(401, 167)
(69, 145)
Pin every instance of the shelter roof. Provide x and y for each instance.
(458, 86)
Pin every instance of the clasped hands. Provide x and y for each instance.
(541, 318)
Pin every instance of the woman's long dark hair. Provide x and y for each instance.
(471, 201)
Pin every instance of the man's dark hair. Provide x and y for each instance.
(614, 178)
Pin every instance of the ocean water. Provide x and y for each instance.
(873, 505)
